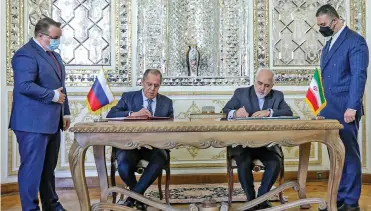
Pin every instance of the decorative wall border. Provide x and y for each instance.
(358, 23)
(261, 34)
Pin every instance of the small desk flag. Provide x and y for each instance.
(100, 93)
(315, 96)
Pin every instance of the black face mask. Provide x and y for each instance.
(326, 31)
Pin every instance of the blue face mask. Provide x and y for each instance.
(54, 44)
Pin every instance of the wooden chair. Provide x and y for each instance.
(142, 164)
(257, 166)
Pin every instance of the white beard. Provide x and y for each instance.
(259, 95)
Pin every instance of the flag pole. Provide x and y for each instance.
(100, 119)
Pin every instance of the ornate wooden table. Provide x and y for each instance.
(204, 134)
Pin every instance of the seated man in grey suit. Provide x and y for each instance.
(259, 100)
(145, 102)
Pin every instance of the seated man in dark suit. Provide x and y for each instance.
(145, 102)
(259, 100)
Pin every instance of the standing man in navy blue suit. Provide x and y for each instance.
(40, 110)
(344, 63)
(145, 102)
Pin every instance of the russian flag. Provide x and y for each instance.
(100, 93)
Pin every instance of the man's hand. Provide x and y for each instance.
(264, 113)
(349, 115)
(66, 123)
(142, 112)
(62, 97)
(241, 112)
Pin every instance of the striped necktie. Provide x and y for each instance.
(149, 107)
(56, 63)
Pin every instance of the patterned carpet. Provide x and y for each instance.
(198, 192)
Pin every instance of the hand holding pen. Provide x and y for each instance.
(241, 113)
(142, 112)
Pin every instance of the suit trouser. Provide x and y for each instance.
(244, 158)
(127, 165)
(351, 179)
(39, 156)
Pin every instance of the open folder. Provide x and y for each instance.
(268, 118)
(135, 118)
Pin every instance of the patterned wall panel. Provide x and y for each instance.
(219, 29)
(296, 40)
(86, 28)
(87, 36)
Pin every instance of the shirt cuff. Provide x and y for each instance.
(231, 114)
(67, 117)
(270, 112)
(352, 109)
(56, 96)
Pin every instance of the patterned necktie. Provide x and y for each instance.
(149, 107)
(56, 63)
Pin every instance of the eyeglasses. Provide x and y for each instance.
(54, 38)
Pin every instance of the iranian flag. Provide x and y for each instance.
(315, 97)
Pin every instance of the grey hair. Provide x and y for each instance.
(152, 71)
(266, 69)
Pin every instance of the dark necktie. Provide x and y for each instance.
(149, 107)
(329, 44)
(56, 63)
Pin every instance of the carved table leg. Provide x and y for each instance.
(76, 159)
(99, 157)
(337, 155)
(304, 152)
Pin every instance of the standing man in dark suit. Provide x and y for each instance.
(344, 63)
(145, 102)
(259, 100)
(40, 110)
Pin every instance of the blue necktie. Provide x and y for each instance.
(149, 107)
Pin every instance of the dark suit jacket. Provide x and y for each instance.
(344, 74)
(247, 97)
(35, 79)
(133, 101)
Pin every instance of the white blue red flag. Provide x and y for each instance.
(100, 94)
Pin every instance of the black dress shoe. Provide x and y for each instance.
(128, 203)
(140, 206)
(265, 205)
(346, 207)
